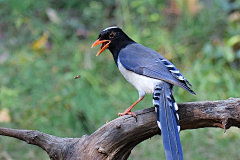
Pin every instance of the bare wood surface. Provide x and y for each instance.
(117, 138)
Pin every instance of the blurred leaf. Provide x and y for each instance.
(233, 40)
(194, 6)
(234, 17)
(52, 15)
(41, 42)
(154, 17)
(4, 115)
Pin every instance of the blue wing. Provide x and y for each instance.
(147, 62)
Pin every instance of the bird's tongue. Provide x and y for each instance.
(103, 44)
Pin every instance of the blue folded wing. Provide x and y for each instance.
(147, 62)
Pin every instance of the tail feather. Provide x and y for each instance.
(167, 118)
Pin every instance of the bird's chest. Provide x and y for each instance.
(140, 82)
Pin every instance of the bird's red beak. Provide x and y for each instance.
(105, 44)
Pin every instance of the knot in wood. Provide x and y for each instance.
(118, 126)
(101, 150)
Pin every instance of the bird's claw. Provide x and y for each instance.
(129, 113)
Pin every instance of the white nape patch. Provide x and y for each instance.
(174, 71)
(159, 125)
(110, 28)
(142, 83)
(175, 106)
(178, 127)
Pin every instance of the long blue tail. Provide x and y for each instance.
(168, 121)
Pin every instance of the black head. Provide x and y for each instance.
(112, 38)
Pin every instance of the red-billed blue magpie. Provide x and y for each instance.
(148, 72)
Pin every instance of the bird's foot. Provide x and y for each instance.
(128, 112)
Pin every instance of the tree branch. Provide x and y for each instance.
(116, 139)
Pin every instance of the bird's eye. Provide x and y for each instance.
(111, 35)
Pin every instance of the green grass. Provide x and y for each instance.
(38, 89)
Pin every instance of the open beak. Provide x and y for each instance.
(105, 44)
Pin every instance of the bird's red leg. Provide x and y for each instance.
(128, 111)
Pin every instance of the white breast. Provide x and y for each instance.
(140, 82)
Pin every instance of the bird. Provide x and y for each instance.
(149, 72)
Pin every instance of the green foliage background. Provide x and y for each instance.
(37, 85)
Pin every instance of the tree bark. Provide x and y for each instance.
(117, 138)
